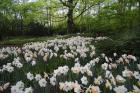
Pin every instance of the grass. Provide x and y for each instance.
(20, 40)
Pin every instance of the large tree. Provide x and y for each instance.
(74, 9)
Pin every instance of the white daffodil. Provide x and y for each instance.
(30, 76)
(120, 89)
(28, 90)
(136, 74)
(127, 73)
(33, 63)
(53, 81)
(84, 80)
(120, 79)
(104, 66)
(38, 77)
(42, 82)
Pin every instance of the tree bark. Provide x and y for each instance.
(0, 37)
(70, 22)
(121, 13)
(139, 6)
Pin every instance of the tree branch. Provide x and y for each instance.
(64, 3)
(84, 10)
(58, 20)
(76, 3)
(57, 16)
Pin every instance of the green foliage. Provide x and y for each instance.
(99, 17)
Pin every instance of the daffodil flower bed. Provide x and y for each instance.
(67, 66)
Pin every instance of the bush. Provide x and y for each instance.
(120, 46)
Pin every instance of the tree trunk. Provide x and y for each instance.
(70, 22)
(121, 13)
(0, 37)
(139, 6)
(21, 24)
